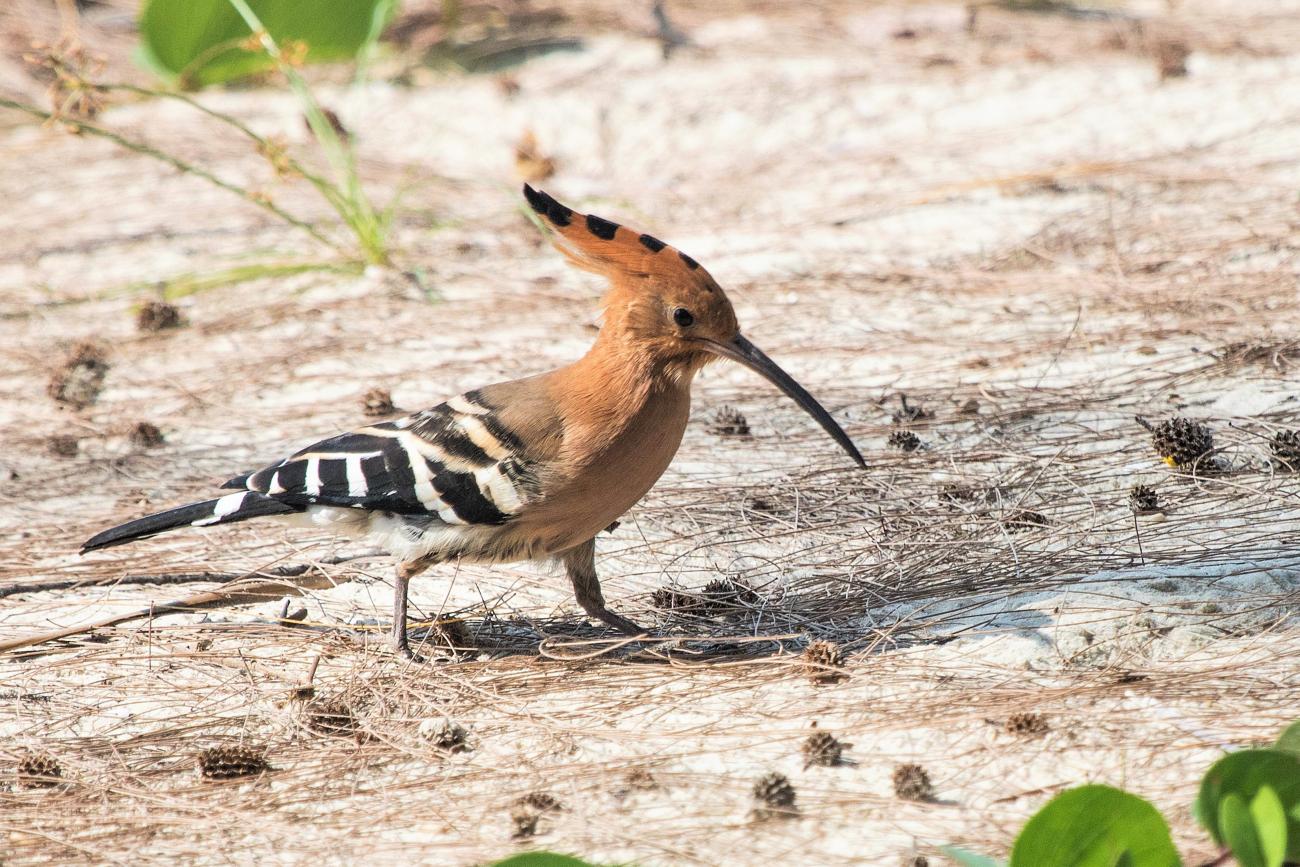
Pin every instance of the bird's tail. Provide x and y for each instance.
(224, 510)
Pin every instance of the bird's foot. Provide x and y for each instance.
(403, 648)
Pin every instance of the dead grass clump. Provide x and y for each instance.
(823, 749)
(145, 435)
(774, 797)
(912, 783)
(79, 379)
(157, 316)
(824, 662)
(230, 763)
(1279, 355)
(729, 422)
(1026, 723)
(377, 403)
(38, 770)
(62, 445)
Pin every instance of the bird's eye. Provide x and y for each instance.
(683, 317)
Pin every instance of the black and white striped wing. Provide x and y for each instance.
(455, 461)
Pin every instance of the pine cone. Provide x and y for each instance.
(228, 763)
(1286, 448)
(157, 316)
(38, 770)
(445, 735)
(904, 440)
(1025, 519)
(727, 594)
(330, 716)
(78, 381)
(526, 812)
(729, 422)
(62, 445)
(1026, 724)
(1181, 442)
(774, 796)
(377, 402)
(912, 783)
(1144, 500)
(824, 749)
(824, 662)
(145, 435)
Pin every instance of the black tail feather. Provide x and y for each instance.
(225, 510)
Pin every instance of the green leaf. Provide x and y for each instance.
(1095, 826)
(198, 42)
(1269, 818)
(1239, 833)
(541, 859)
(1289, 740)
(967, 858)
(1244, 774)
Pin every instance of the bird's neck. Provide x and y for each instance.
(620, 384)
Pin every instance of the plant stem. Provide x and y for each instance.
(350, 199)
(175, 162)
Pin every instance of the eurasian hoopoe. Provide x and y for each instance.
(525, 470)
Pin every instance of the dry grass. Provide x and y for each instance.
(1031, 284)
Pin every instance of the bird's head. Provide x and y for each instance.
(664, 304)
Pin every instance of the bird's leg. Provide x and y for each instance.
(580, 563)
(405, 571)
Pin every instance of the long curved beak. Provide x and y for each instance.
(741, 350)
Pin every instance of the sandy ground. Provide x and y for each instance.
(1019, 227)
